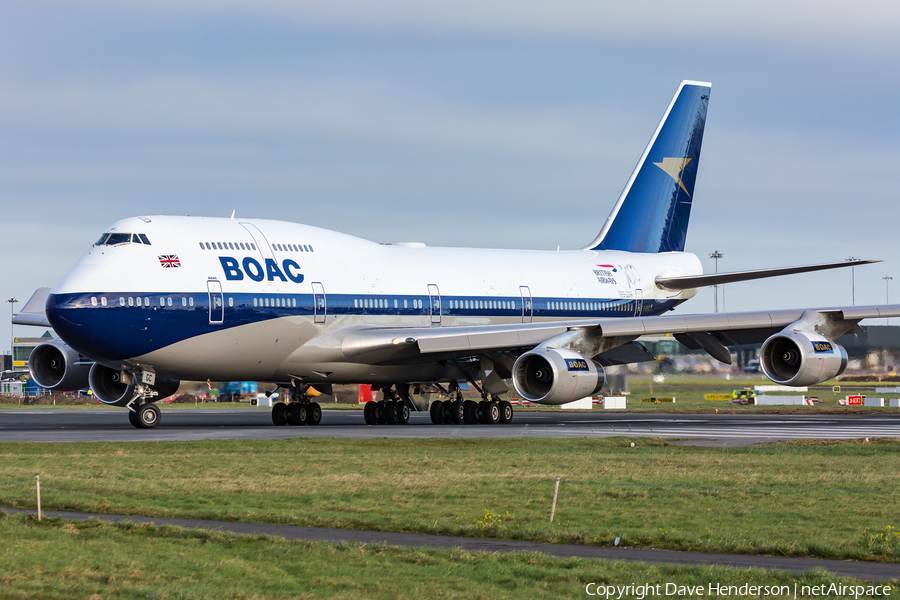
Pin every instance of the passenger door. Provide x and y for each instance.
(319, 302)
(216, 302)
(527, 307)
(435, 297)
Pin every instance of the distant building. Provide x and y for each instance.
(22, 349)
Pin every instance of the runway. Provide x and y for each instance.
(111, 425)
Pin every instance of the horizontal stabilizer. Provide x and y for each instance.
(690, 282)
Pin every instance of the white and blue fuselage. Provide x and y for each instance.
(210, 298)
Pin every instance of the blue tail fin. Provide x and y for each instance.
(653, 210)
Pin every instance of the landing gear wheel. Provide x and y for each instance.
(402, 413)
(437, 412)
(279, 413)
(132, 418)
(457, 412)
(296, 414)
(391, 413)
(490, 415)
(313, 413)
(148, 416)
(370, 413)
(506, 412)
(469, 410)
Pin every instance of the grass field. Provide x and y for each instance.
(92, 559)
(493, 487)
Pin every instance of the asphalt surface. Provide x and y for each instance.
(868, 571)
(111, 424)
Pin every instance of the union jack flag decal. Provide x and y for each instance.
(170, 261)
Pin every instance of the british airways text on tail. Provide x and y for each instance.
(161, 299)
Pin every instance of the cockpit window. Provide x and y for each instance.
(111, 239)
(118, 238)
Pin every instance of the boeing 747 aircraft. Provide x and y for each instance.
(159, 299)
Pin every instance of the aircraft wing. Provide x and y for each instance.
(33, 313)
(711, 332)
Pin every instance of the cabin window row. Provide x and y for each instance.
(251, 246)
(293, 247)
(383, 303)
(226, 246)
(273, 302)
(595, 306)
(141, 302)
(482, 304)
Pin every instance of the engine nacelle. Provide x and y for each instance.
(110, 388)
(553, 376)
(54, 366)
(797, 358)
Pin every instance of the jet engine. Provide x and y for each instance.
(554, 376)
(797, 358)
(110, 388)
(55, 366)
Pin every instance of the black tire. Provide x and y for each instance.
(456, 412)
(402, 413)
(490, 414)
(279, 416)
(296, 414)
(470, 409)
(379, 412)
(313, 413)
(391, 412)
(437, 412)
(506, 412)
(370, 412)
(148, 415)
(132, 418)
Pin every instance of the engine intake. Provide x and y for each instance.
(796, 358)
(110, 388)
(55, 366)
(553, 376)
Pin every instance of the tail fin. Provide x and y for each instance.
(653, 210)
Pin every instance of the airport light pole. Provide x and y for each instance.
(887, 293)
(12, 309)
(717, 255)
(853, 278)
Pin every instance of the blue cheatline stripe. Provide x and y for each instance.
(20, 481)
(684, 487)
(124, 330)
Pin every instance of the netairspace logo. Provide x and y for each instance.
(661, 590)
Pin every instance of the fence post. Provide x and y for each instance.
(555, 494)
(38, 479)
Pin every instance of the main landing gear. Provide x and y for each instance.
(393, 410)
(469, 412)
(300, 411)
(490, 411)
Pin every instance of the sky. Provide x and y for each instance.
(465, 123)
